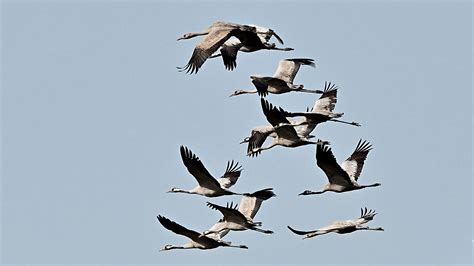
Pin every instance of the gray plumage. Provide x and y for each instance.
(208, 185)
(342, 227)
(342, 178)
(281, 81)
(197, 241)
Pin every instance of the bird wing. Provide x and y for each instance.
(366, 215)
(231, 175)
(301, 232)
(256, 141)
(353, 165)
(275, 116)
(197, 169)
(250, 204)
(229, 54)
(261, 84)
(327, 162)
(204, 49)
(177, 228)
(231, 214)
(218, 227)
(327, 101)
(288, 68)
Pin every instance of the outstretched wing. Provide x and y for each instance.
(177, 228)
(353, 165)
(301, 232)
(204, 49)
(275, 116)
(366, 215)
(250, 203)
(288, 68)
(229, 53)
(261, 84)
(197, 169)
(327, 101)
(231, 214)
(327, 162)
(231, 175)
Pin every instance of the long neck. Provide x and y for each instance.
(194, 34)
(178, 190)
(170, 247)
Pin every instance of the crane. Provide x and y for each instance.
(342, 227)
(240, 217)
(281, 81)
(208, 185)
(286, 134)
(344, 177)
(197, 241)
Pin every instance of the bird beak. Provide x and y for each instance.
(243, 141)
(233, 94)
(180, 38)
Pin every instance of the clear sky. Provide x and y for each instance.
(94, 111)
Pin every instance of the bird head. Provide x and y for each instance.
(167, 247)
(185, 36)
(174, 189)
(247, 139)
(237, 92)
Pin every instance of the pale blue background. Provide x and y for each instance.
(94, 112)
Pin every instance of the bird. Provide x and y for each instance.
(229, 49)
(208, 185)
(242, 218)
(342, 178)
(249, 206)
(322, 111)
(281, 81)
(342, 227)
(217, 34)
(197, 241)
(286, 134)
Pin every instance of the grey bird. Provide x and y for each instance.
(208, 185)
(216, 35)
(286, 134)
(342, 227)
(197, 241)
(281, 81)
(344, 177)
(233, 220)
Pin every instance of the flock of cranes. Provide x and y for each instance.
(225, 40)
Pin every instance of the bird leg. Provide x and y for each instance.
(261, 230)
(350, 123)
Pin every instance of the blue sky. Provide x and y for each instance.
(94, 111)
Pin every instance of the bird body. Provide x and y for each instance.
(208, 185)
(342, 227)
(342, 178)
